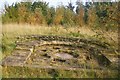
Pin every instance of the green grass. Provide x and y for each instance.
(27, 72)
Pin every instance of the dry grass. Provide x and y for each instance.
(24, 29)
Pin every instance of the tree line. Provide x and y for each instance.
(92, 14)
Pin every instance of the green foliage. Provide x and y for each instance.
(7, 45)
(99, 14)
(50, 15)
(42, 5)
(69, 17)
(10, 15)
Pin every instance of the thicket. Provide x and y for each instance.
(92, 14)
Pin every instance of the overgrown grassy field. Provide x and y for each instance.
(11, 31)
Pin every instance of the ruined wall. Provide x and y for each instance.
(70, 51)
